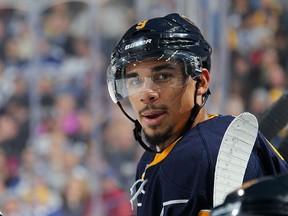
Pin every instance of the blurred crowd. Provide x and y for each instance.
(65, 149)
(52, 119)
(258, 47)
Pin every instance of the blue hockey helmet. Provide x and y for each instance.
(172, 36)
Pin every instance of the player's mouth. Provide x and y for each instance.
(153, 117)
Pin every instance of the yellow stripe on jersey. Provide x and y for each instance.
(210, 116)
(275, 150)
(161, 156)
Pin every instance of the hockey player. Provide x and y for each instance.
(159, 76)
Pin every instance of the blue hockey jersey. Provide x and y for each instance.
(180, 180)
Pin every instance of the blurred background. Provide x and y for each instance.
(65, 148)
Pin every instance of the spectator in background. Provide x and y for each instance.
(66, 113)
(115, 200)
(120, 153)
(77, 196)
(56, 27)
(8, 134)
(259, 101)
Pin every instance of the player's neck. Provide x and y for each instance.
(202, 116)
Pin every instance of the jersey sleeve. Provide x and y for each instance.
(272, 163)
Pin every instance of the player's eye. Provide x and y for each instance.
(162, 77)
(134, 82)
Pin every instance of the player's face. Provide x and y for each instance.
(162, 109)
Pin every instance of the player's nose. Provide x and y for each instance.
(149, 96)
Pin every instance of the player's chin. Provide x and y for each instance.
(153, 129)
(158, 135)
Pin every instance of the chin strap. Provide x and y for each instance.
(137, 131)
(137, 135)
(194, 112)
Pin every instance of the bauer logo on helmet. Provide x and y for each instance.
(137, 43)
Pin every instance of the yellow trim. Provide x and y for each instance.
(210, 116)
(275, 150)
(161, 156)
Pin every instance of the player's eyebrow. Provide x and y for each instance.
(154, 69)
(130, 75)
(164, 66)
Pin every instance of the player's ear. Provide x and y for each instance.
(204, 82)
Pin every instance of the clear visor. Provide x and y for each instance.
(150, 74)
